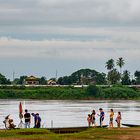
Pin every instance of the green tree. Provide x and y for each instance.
(20, 81)
(120, 62)
(110, 64)
(88, 76)
(16, 81)
(66, 80)
(42, 80)
(113, 76)
(4, 80)
(137, 77)
(83, 76)
(126, 78)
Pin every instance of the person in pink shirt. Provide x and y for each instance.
(118, 119)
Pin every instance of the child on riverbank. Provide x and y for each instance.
(89, 120)
(111, 118)
(118, 119)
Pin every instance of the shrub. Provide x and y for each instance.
(93, 90)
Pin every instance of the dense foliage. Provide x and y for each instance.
(83, 77)
(113, 76)
(4, 80)
(41, 93)
(126, 78)
(137, 76)
(115, 92)
(69, 93)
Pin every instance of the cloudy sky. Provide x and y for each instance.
(38, 37)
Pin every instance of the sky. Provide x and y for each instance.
(40, 37)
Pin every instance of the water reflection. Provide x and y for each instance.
(70, 113)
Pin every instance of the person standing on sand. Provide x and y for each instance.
(93, 118)
(35, 118)
(38, 120)
(111, 118)
(118, 119)
(89, 120)
(27, 118)
(102, 114)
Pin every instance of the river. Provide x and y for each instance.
(65, 113)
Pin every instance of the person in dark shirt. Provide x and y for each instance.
(93, 118)
(27, 118)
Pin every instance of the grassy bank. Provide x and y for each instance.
(69, 93)
(91, 134)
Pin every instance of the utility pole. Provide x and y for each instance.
(56, 75)
(13, 77)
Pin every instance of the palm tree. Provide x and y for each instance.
(110, 64)
(120, 62)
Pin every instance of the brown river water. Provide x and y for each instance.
(64, 113)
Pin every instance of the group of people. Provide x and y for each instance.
(27, 118)
(92, 117)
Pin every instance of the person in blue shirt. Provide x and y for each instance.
(37, 120)
(102, 114)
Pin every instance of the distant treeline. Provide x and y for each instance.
(87, 76)
(69, 93)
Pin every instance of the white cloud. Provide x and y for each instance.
(70, 12)
(70, 29)
(67, 49)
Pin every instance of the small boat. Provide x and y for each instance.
(131, 125)
(72, 129)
